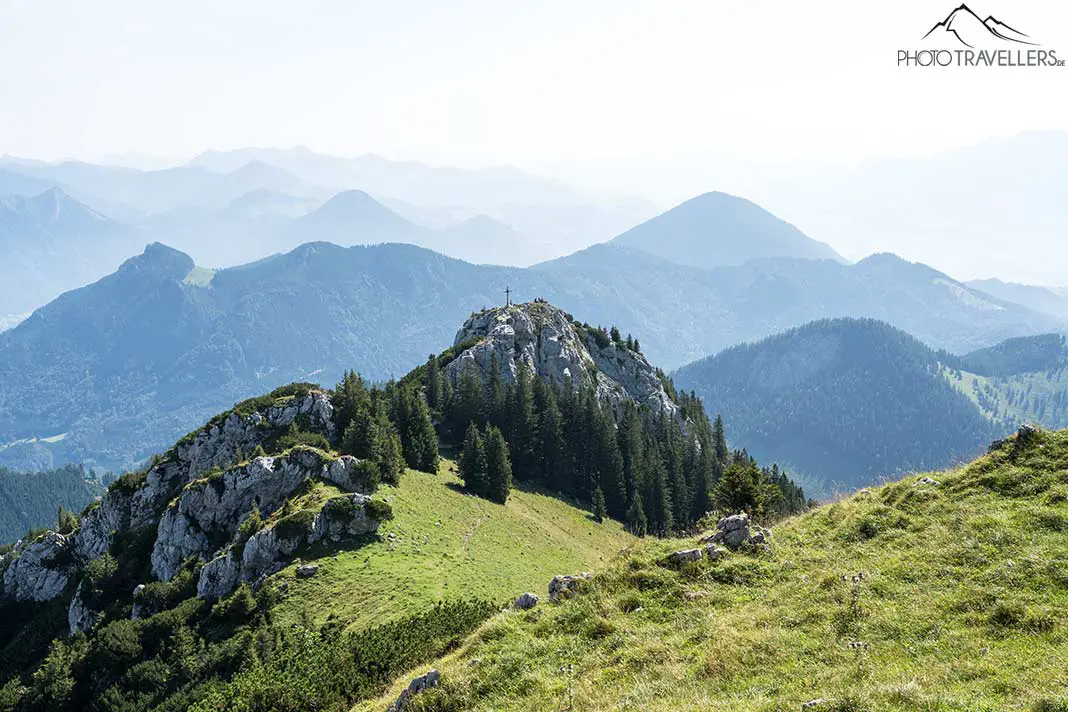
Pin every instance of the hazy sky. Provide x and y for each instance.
(582, 88)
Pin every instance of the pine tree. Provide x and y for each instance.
(522, 426)
(637, 523)
(473, 462)
(467, 403)
(553, 447)
(498, 465)
(391, 457)
(434, 391)
(599, 511)
(719, 441)
(614, 333)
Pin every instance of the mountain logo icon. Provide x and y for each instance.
(967, 28)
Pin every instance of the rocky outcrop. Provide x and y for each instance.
(341, 518)
(110, 515)
(567, 585)
(80, 618)
(417, 685)
(39, 570)
(736, 531)
(686, 556)
(208, 512)
(552, 347)
(222, 444)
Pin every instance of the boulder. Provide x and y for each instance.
(526, 601)
(686, 556)
(566, 585)
(715, 553)
(307, 570)
(927, 482)
(423, 682)
(736, 531)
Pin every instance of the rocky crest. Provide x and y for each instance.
(553, 347)
(194, 499)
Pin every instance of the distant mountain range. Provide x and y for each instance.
(231, 208)
(108, 373)
(1039, 299)
(717, 229)
(51, 243)
(845, 402)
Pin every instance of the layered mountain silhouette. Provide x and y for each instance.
(51, 243)
(971, 31)
(111, 372)
(717, 229)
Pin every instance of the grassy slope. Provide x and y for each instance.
(963, 606)
(992, 396)
(445, 544)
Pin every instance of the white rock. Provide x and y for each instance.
(543, 338)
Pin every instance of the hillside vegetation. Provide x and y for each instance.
(444, 543)
(912, 596)
(30, 500)
(844, 402)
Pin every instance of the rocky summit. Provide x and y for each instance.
(555, 347)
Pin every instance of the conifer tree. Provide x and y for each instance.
(473, 462)
(637, 523)
(599, 511)
(498, 465)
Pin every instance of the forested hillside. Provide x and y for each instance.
(843, 402)
(30, 500)
(165, 345)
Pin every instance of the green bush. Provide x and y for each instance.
(377, 509)
(295, 525)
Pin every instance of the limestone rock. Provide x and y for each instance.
(566, 585)
(343, 517)
(736, 530)
(138, 602)
(544, 338)
(685, 556)
(307, 570)
(715, 553)
(525, 602)
(211, 510)
(423, 682)
(80, 618)
(927, 482)
(39, 570)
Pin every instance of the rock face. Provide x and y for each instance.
(340, 518)
(209, 511)
(196, 516)
(39, 570)
(552, 347)
(80, 618)
(736, 531)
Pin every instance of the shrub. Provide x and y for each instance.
(295, 525)
(377, 509)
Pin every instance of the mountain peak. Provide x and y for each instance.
(159, 260)
(715, 229)
(555, 347)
